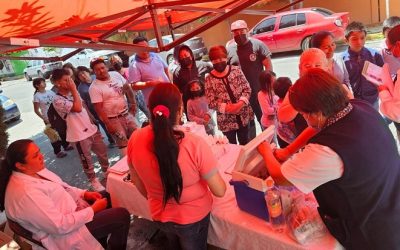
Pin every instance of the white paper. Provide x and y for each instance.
(372, 73)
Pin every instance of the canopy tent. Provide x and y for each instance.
(89, 23)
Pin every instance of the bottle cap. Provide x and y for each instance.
(270, 182)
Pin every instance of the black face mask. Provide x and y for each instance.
(240, 39)
(196, 93)
(117, 66)
(185, 62)
(220, 67)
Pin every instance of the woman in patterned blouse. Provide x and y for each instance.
(228, 92)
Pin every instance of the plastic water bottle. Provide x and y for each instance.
(274, 205)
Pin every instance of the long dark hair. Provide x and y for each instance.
(36, 82)
(266, 82)
(16, 152)
(166, 139)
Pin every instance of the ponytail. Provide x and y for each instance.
(16, 152)
(165, 103)
(166, 147)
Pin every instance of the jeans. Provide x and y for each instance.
(125, 127)
(242, 134)
(96, 145)
(114, 222)
(188, 237)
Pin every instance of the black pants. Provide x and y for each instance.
(114, 222)
(62, 143)
(242, 135)
(258, 112)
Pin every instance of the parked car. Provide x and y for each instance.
(292, 30)
(11, 111)
(84, 57)
(196, 44)
(40, 68)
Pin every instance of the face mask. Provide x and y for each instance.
(117, 66)
(185, 62)
(220, 67)
(240, 39)
(196, 93)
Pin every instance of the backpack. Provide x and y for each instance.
(56, 121)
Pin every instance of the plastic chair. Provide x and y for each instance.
(22, 232)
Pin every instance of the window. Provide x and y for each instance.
(265, 26)
(288, 21)
(153, 43)
(301, 18)
(323, 12)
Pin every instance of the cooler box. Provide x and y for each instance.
(249, 175)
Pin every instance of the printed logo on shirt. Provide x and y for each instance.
(116, 88)
(253, 57)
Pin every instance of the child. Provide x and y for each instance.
(354, 58)
(197, 106)
(42, 99)
(286, 132)
(267, 99)
(392, 61)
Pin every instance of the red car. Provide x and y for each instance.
(292, 30)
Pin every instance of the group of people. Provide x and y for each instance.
(349, 159)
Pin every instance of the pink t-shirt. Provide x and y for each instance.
(197, 163)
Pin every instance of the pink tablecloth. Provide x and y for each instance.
(230, 228)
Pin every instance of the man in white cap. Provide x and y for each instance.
(253, 56)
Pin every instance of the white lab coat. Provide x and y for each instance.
(48, 209)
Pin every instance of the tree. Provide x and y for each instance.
(3, 134)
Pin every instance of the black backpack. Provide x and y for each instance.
(56, 121)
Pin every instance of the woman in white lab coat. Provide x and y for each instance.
(58, 215)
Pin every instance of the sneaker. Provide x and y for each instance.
(96, 185)
(69, 148)
(61, 154)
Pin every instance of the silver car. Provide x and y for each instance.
(196, 44)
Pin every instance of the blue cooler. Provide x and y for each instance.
(250, 200)
(249, 175)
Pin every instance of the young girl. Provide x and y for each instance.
(286, 131)
(267, 99)
(197, 106)
(42, 99)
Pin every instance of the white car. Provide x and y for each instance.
(84, 57)
(40, 68)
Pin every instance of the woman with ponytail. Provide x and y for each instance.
(175, 171)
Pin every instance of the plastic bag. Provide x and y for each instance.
(51, 133)
(304, 222)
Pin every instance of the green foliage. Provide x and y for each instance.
(3, 134)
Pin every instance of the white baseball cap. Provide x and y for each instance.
(238, 24)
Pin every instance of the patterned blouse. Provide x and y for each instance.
(217, 94)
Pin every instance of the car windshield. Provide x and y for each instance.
(322, 11)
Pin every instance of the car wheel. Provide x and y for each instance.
(305, 44)
(170, 58)
(27, 77)
(40, 74)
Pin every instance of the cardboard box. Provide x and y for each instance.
(249, 175)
